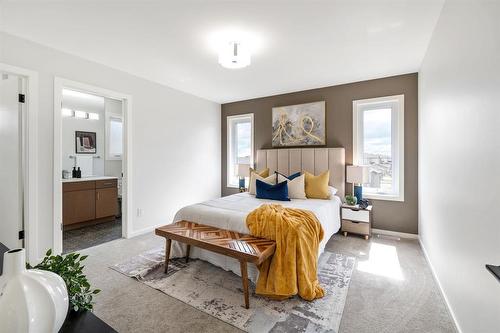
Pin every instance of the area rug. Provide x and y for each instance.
(219, 293)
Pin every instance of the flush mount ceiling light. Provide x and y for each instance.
(234, 55)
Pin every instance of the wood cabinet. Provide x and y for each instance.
(89, 201)
(78, 206)
(106, 203)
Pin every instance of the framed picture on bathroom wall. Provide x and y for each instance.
(85, 142)
(299, 125)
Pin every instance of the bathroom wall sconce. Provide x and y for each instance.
(93, 116)
(79, 114)
(67, 112)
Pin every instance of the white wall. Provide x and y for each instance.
(176, 136)
(459, 160)
(70, 125)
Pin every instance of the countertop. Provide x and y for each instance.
(86, 179)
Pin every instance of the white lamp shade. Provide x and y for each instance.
(357, 174)
(243, 170)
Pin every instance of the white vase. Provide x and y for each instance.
(30, 300)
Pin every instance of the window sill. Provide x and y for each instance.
(383, 197)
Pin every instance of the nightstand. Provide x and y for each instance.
(356, 220)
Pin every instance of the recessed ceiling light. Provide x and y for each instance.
(234, 55)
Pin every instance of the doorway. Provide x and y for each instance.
(91, 163)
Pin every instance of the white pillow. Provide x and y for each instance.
(296, 186)
(253, 177)
(333, 191)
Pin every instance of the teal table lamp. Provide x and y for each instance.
(242, 171)
(357, 175)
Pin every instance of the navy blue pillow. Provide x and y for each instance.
(272, 192)
(295, 175)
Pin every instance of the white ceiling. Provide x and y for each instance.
(296, 45)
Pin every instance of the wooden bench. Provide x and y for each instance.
(242, 247)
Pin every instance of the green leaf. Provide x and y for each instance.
(70, 269)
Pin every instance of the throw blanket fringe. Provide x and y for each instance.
(293, 267)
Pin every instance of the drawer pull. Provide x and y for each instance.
(106, 184)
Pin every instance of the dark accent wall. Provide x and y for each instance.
(388, 215)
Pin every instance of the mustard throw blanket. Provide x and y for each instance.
(293, 267)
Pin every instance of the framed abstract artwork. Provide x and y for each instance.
(85, 142)
(299, 125)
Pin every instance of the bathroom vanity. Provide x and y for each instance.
(89, 201)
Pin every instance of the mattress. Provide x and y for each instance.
(230, 213)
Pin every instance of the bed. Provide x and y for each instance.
(230, 212)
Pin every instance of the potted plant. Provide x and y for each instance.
(351, 200)
(70, 269)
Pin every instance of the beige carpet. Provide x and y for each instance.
(376, 302)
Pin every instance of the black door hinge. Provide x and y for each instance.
(22, 98)
(21, 234)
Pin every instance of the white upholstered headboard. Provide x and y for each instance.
(313, 160)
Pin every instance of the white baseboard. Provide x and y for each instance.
(395, 233)
(144, 230)
(440, 287)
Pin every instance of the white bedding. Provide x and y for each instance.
(230, 213)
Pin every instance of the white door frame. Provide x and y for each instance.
(31, 159)
(59, 84)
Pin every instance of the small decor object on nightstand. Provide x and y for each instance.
(242, 171)
(351, 200)
(357, 220)
(357, 175)
(363, 204)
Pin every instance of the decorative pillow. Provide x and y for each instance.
(333, 191)
(272, 192)
(296, 186)
(291, 177)
(254, 176)
(317, 186)
(263, 173)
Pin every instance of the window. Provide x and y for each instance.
(114, 136)
(378, 142)
(239, 145)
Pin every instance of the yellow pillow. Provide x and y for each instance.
(263, 173)
(317, 186)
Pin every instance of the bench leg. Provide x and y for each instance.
(187, 253)
(167, 253)
(244, 279)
